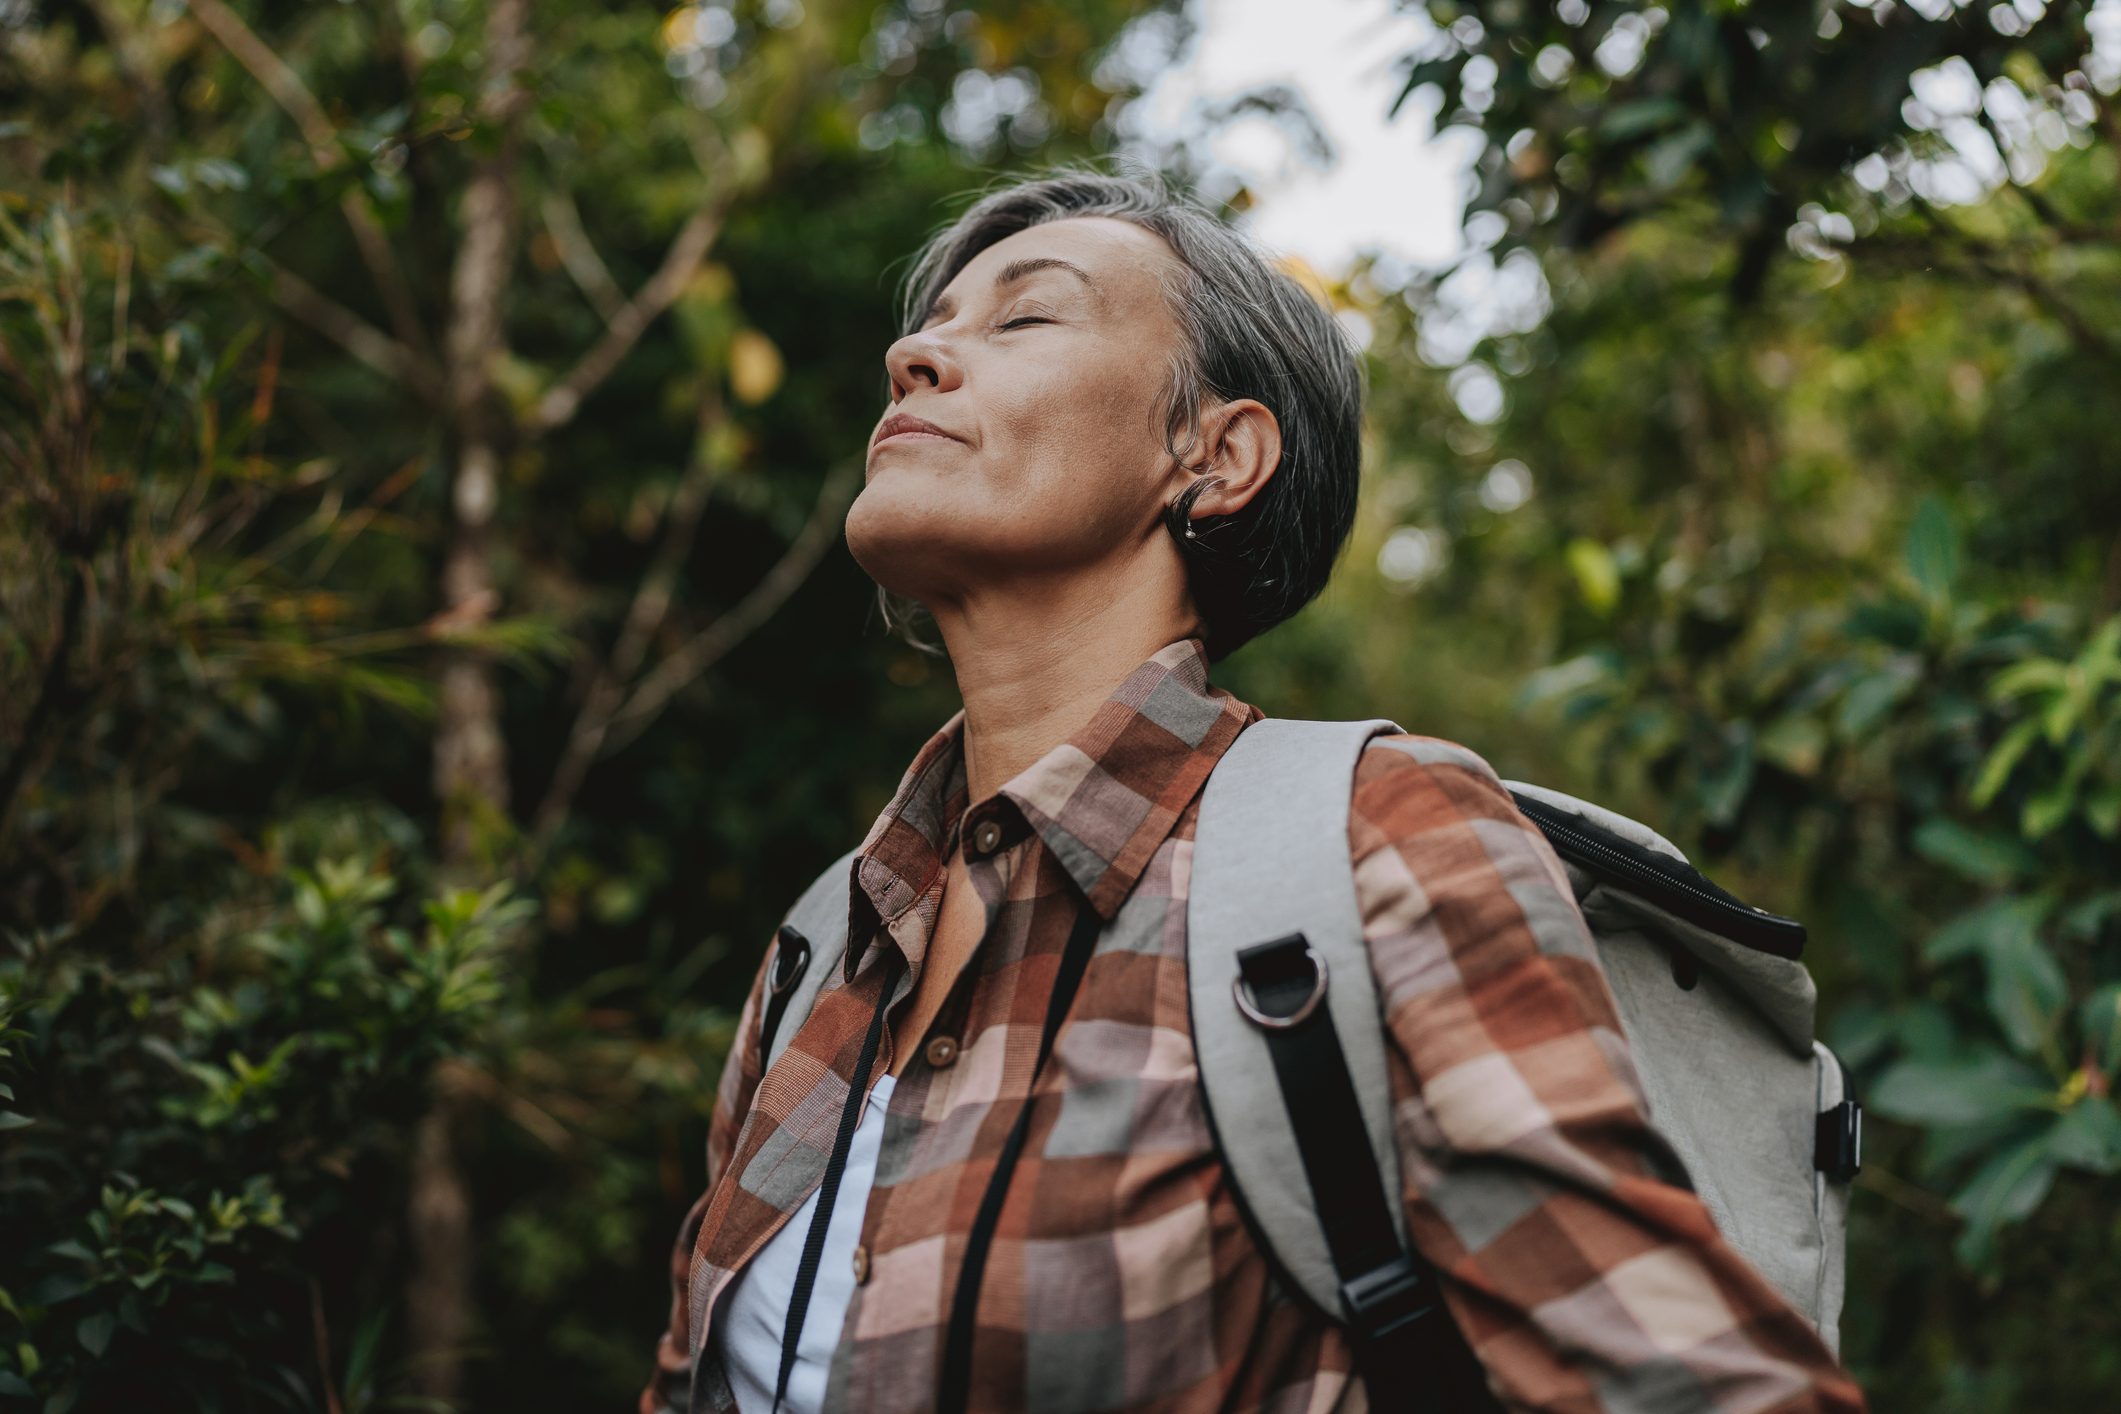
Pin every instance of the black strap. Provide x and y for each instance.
(954, 1386)
(1412, 1357)
(791, 959)
(829, 1191)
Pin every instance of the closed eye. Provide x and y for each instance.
(1026, 320)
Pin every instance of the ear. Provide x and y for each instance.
(1240, 442)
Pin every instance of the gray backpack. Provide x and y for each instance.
(1290, 1045)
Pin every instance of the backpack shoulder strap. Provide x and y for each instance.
(1270, 859)
(1289, 1039)
(807, 948)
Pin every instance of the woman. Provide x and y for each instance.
(1121, 444)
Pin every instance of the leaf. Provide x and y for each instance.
(2033, 675)
(1796, 743)
(14, 1384)
(1984, 856)
(2026, 991)
(1644, 115)
(1597, 576)
(2089, 1137)
(10, 1120)
(2002, 761)
(2102, 811)
(2087, 918)
(1933, 550)
(1997, 924)
(2049, 808)
(1894, 622)
(1669, 159)
(2005, 1190)
(1724, 789)
(1929, 1093)
(2100, 1016)
(1875, 694)
(94, 1332)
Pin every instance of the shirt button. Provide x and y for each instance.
(861, 1265)
(986, 837)
(942, 1052)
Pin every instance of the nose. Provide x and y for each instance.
(922, 359)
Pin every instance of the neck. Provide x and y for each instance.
(1034, 660)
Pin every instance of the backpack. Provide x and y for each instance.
(1290, 1046)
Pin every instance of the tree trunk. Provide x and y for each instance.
(470, 754)
(438, 1219)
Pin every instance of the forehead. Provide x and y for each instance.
(1126, 264)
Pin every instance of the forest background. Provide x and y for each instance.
(429, 664)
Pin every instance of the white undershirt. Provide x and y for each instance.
(753, 1314)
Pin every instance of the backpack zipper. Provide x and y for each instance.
(1659, 881)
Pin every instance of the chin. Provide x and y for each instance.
(897, 532)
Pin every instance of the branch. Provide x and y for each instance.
(53, 686)
(294, 97)
(353, 333)
(711, 644)
(651, 605)
(564, 224)
(2066, 229)
(1992, 263)
(564, 398)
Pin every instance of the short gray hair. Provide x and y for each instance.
(1249, 331)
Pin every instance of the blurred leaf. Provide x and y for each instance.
(1966, 1092)
(2049, 808)
(1983, 856)
(2102, 811)
(2087, 918)
(2001, 761)
(1933, 550)
(1597, 576)
(2101, 1019)
(2089, 1137)
(2003, 924)
(2005, 1190)
(755, 367)
(1893, 622)
(1797, 744)
(1872, 696)
(94, 1332)
(1724, 785)
(2026, 991)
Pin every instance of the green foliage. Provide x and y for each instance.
(148, 1090)
(1601, 114)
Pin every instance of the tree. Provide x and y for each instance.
(1775, 115)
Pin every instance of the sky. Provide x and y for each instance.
(1333, 177)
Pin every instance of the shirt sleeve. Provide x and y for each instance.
(1583, 1281)
(741, 1074)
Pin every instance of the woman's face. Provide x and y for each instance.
(1024, 439)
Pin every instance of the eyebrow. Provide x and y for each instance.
(1010, 274)
(1017, 270)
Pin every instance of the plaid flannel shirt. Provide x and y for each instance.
(1122, 1276)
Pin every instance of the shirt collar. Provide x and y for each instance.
(1102, 801)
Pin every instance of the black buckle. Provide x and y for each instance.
(1839, 1149)
(791, 958)
(1389, 1298)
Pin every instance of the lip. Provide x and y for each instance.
(901, 426)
